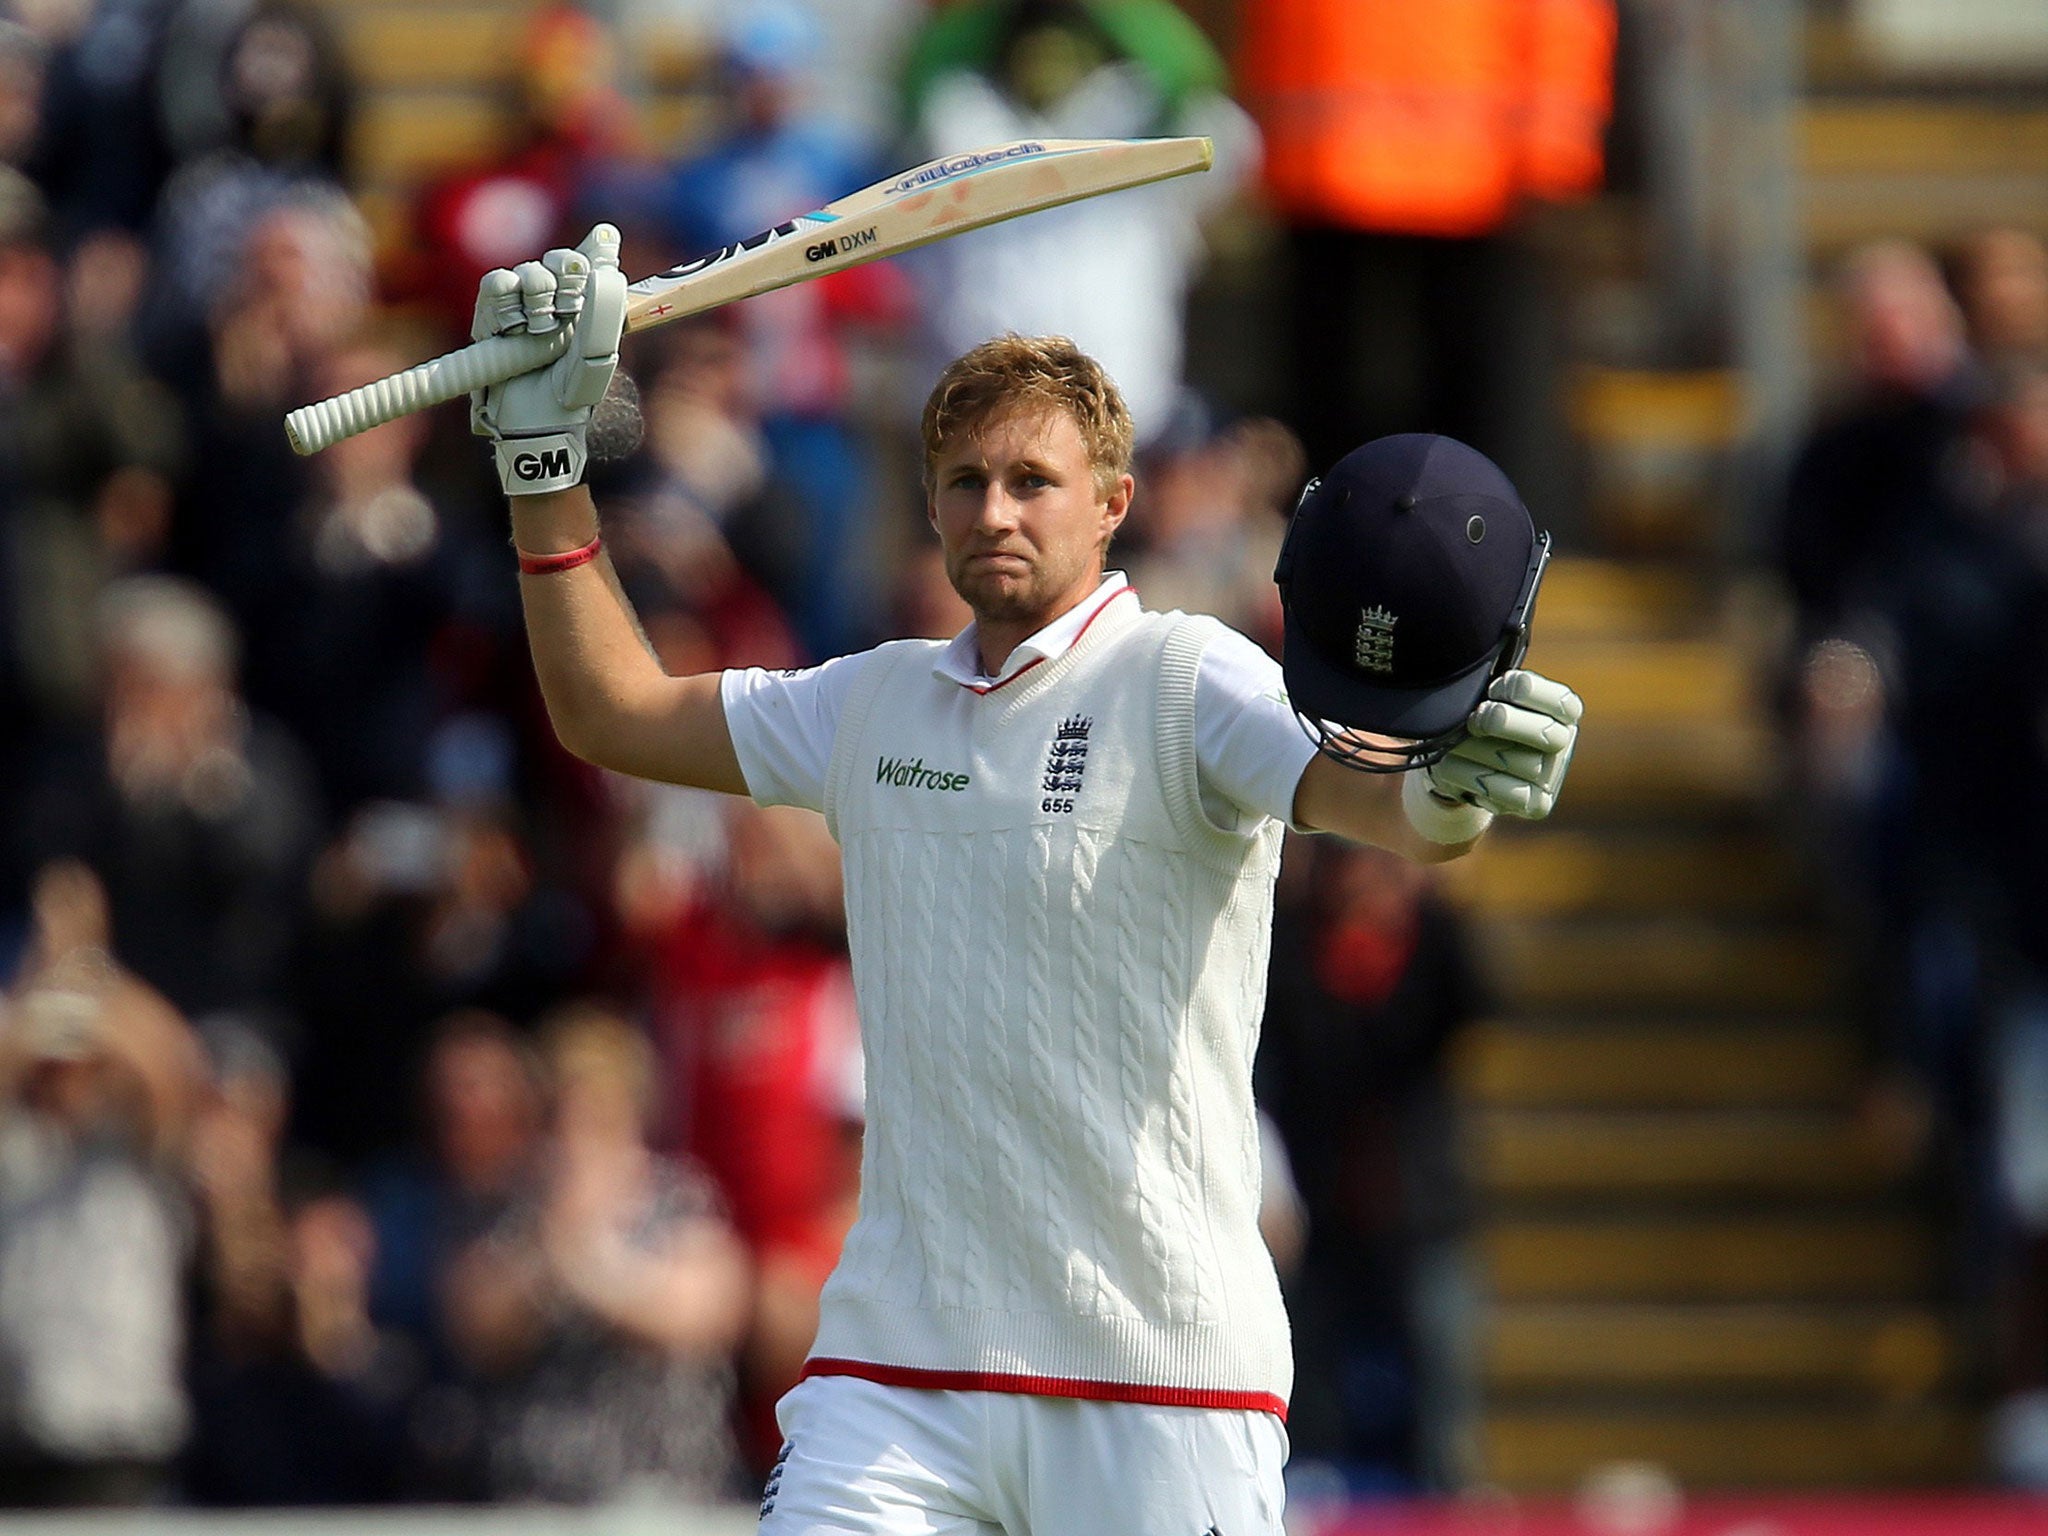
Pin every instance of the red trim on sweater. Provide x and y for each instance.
(992, 687)
(1048, 1386)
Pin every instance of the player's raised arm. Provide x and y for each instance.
(609, 699)
(1409, 579)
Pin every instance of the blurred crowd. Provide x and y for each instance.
(1913, 538)
(391, 1106)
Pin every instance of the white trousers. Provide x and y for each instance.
(859, 1457)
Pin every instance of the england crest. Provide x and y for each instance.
(1372, 648)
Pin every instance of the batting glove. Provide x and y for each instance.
(539, 421)
(1517, 746)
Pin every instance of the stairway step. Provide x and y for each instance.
(1617, 599)
(1897, 1354)
(1697, 409)
(1613, 965)
(1558, 872)
(1718, 1258)
(1909, 136)
(1670, 770)
(1640, 1065)
(445, 45)
(1920, 169)
(1682, 1154)
(1843, 210)
(404, 137)
(1662, 680)
(1841, 1447)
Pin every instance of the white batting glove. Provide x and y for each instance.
(1518, 745)
(539, 420)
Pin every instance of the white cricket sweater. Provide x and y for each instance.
(1061, 966)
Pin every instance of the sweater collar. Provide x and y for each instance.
(960, 661)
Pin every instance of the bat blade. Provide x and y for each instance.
(929, 202)
(944, 197)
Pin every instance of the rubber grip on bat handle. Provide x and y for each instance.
(476, 366)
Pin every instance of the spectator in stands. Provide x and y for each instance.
(90, 442)
(1917, 541)
(1113, 274)
(27, 333)
(777, 157)
(1406, 140)
(924, 605)
(1217, 502)
(598, 1315)
(352, 610)
(2001, 280)
(197, 814)
(570, 132)
(298, 1397)
(285, 88)
(753, 1003)
(99, 1076)
(712, 534)
(499, 932)
(1977, 672)
(481, 1103)
(24, 59)
(288, 102)
(298, 296)
(100, 154)
(423, 909)
(1875, 553)
(1968, 613)
(1871, 472)
(359, 988)
(1370, 983)
(89, 445)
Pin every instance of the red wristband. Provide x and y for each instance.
(567, 560)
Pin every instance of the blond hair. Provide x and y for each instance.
(1015, 373)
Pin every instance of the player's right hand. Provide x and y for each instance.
(539, 421)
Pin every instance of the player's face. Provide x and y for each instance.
(1020, 518)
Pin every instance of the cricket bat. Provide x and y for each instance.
(944, 197)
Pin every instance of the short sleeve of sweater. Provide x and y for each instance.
(783, 725)
(1249, 748)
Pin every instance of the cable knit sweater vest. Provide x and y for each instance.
(1061, 967)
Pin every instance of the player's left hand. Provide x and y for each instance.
(1517, 747)
(539, 421)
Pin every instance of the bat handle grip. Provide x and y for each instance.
(490, 361)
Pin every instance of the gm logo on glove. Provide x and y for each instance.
(541, 466)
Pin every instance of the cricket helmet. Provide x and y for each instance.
(1409, 578)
